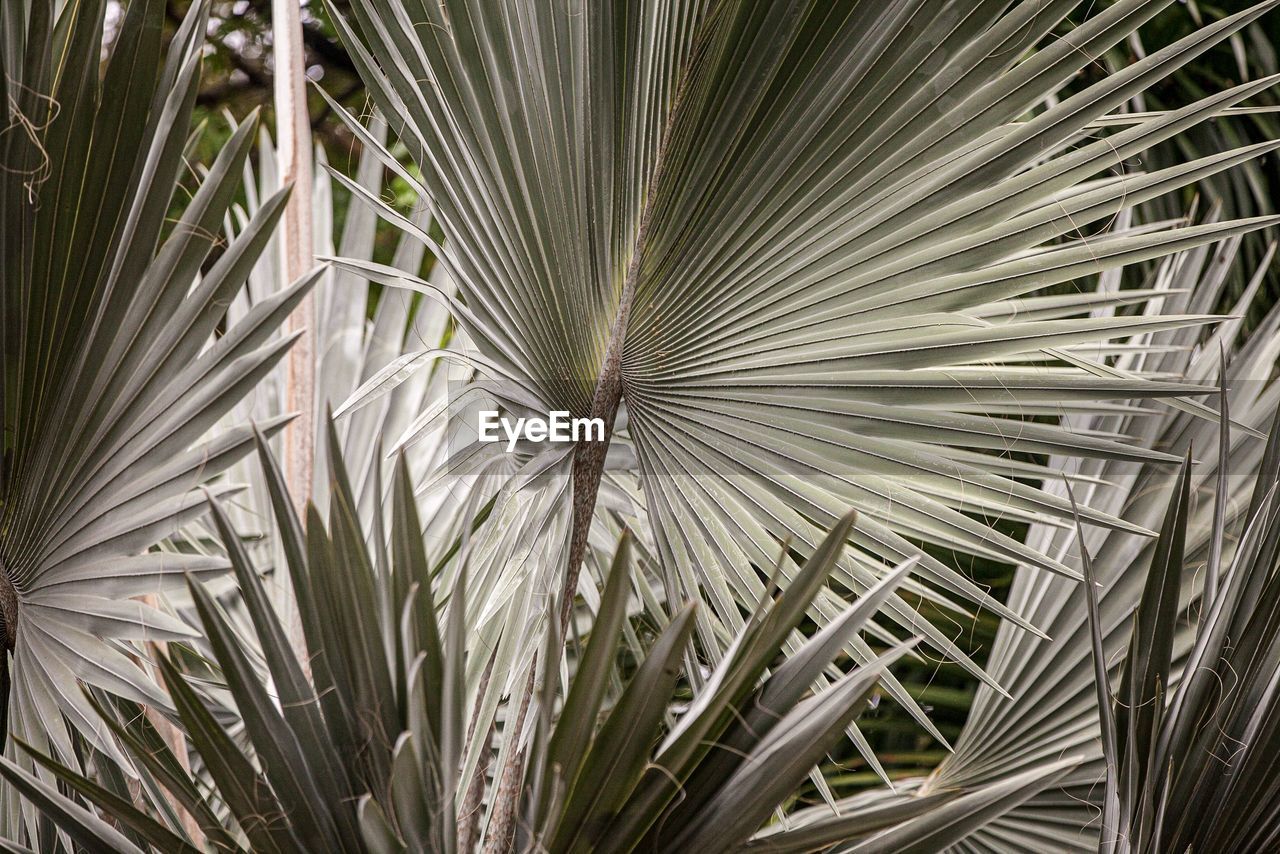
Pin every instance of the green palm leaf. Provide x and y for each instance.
(331, 763)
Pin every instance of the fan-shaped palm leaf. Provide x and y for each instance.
(110, 380)
(783, 251)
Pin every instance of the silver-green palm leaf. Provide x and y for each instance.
(112, 378)
(815, 225)
(1054, 708)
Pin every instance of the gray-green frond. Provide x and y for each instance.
(802, 242)
(111, 381)
(362, 747)
(1054, 708)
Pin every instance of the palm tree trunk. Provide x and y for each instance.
(293, 131)
(293, 144)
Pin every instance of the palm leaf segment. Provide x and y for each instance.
(796, 240)
(110, 380)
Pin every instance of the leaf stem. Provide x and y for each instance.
(588, 465)
(589, 458)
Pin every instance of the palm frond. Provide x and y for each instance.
(781, 250)
(1055, 708)
(110, 380)
(365, 755)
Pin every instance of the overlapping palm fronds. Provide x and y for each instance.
(1054, 707)
(799, 257)
(358, 332)
(785, 252)
(352, 343)
(1189, 762)
(110, 381)
(366, 754)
